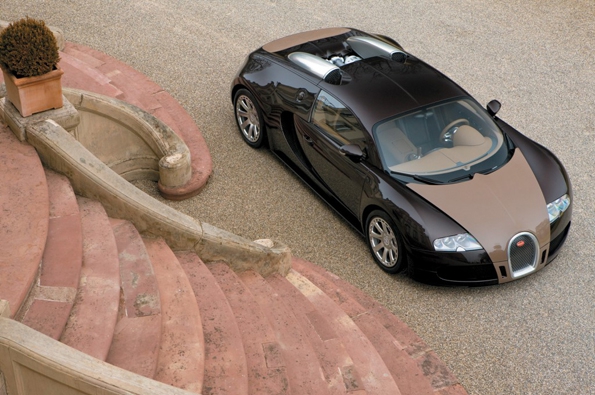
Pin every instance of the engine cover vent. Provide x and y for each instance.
(329, 72)
(368, 47)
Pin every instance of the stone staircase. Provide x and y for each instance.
(93, 71)
(97, 285)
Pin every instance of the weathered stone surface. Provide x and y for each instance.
(66, 116)
(4, 308)
(91, 178)
(24, 209)
(130, 141)
(33, 363)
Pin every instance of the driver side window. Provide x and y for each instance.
(336, 121)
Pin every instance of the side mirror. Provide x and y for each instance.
(493, 107)
(353, 152)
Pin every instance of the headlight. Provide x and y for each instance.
(462, 242)
(557, 207)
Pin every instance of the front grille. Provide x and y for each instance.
(523, 252)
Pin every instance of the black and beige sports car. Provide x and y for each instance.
(436, 183)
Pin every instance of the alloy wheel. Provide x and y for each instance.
(383, 242)
(248, 119)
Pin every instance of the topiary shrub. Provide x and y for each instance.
(28, 48)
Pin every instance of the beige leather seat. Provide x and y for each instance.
(469, 145)
(467, 135)
(394, 146)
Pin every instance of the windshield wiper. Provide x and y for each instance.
(416, 177)
(466, 176)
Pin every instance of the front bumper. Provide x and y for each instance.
(475, 267)
(452, 268)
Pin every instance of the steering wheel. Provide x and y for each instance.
(450, 129)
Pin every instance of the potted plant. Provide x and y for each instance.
(29, 60)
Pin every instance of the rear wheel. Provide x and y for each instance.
(249, 118)
(385, 242)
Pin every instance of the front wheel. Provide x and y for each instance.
(385, 242)
(249, 118)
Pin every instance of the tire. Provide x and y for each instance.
(385, 242)
(249, 118)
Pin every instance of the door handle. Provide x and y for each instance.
(308, 139)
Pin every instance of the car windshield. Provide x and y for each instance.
(441, 142)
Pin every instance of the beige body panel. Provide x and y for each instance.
(495, 207)
(300, 38)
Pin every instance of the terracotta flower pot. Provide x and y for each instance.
(34, 94)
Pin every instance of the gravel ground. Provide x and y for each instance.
(532, 336)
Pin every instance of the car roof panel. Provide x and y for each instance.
(375, 88)
(380, 88)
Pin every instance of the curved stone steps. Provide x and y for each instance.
(24, 213)
(90, 327)
(265, 367)
(225, 362)
(414, 366)
(135, 346)
(304, 372)
(358, 365)
(113, 78)
(51, 300)
(80, 72)
(181, 351)
(338, 368)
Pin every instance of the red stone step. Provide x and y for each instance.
(53, 297)
(339, 370)
(93, 318)
(24, 213)
(63, 254)
(414, 366)
(365, 368)
(225, 361)
(338, 367)
(83, 56)
(80, 72)
(138, 89)
(304, 373)
(135, 346)
(48, 316)
(97, 55)
(182, 350)
(265, 366)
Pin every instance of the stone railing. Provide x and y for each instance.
(92, 178)
(32, 363)
(130, 141)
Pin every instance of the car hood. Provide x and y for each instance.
(495, 207)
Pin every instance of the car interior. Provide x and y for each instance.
(438, 139)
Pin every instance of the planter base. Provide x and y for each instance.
(67, 116)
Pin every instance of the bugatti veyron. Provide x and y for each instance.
(435, 182)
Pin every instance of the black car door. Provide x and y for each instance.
(331, 127)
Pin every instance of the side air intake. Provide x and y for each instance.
(367, 47)
(317, 66)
